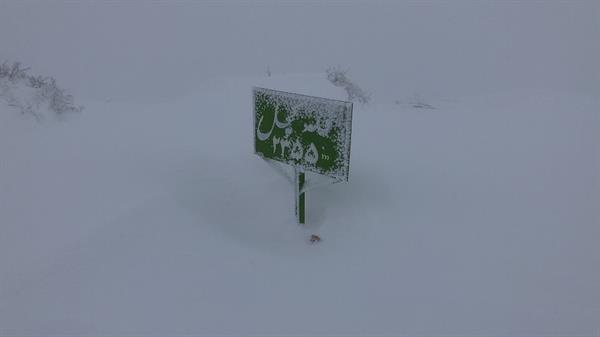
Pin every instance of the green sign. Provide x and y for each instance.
(309, 133)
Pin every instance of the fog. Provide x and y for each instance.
(474, 213)
(158, 50)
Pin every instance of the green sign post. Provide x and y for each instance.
(311, 134)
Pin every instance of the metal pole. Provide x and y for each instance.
(300, 196)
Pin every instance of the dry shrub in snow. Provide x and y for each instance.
(13, 72)
(419, 102)
(28, 93)
(339, 78)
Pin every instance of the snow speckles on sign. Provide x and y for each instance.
(310, 133)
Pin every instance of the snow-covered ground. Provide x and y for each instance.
(147, 214)
(478, 217)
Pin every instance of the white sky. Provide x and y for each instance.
(160, 49)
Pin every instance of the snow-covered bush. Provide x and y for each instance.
(416, 102)
(339, 78)
(29, 93)
(12, 72)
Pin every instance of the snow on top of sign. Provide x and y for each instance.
(309, 84)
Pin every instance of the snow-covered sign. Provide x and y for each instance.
(309, 133)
